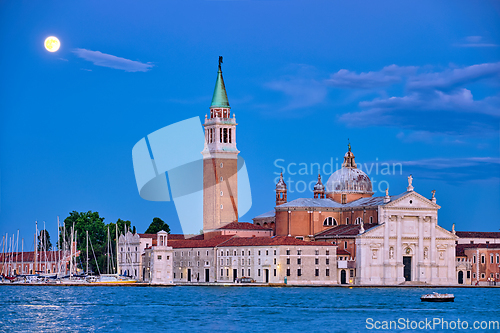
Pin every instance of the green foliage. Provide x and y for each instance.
(157, 225)
(98, 238)
(44, 243)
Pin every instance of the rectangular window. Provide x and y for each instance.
(482, 259)
(468, 274)
(274, 252)
(267, 252)
(474, 259)
(181, 275)
(275, 272)
(248, 252)
(316, 261)
(249, 272)
(243, 261)
(299, 272)
(275, 261)
(227, 261)
(298, 261)
(288, 272)
(159, 257)
(242, 253)
(316, 252)
(299, 252)
(259, 261)
(242, 273)
(491, 259)
(498, 259)
(229, 135)
(327, 272)
(287, 252)
(227, 271)
(327, 261)
(222, 261)
(351, 273)
(316, 272)
(174, 275)
(482, 275)
(258, 272)
(327, 252)
(198, 252)
(221, 272)
(345, 245)
(288, 261)
(259, 252)
(473, 275)
(220, 135)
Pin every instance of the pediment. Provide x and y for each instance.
(412, 200)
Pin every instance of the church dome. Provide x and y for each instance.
(349, 178)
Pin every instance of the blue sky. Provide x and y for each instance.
(410, 82)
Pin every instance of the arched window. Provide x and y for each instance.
(329, 221)
(358, 220)
(371, 219)
(346, 220)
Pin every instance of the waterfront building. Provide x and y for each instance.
(483, 263)
(33, 262)
(158, 261)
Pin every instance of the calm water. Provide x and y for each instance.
(230, 309)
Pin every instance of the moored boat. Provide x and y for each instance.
(435, 297)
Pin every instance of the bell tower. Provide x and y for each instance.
(220, 161)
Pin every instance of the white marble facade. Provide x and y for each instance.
(408, 245)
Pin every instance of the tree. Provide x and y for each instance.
(157, 225)
(44, 243)
(98, 238)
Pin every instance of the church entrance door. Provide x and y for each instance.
(460, 277)
(407, 268)
(343, 277)
(267, 275)
(235, 274)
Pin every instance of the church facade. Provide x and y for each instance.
(390, 239)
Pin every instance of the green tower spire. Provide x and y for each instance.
(219, 98)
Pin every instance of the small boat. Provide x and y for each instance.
(435, 297)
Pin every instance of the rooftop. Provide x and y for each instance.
(344, 230)
(329, 203)
(478, 234)
(243, 226)
(270, 241)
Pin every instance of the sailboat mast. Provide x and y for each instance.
(17, 252)
(87, 252)
(3, 253)
(22, 255)
(71, 253)
(76, 264)
(117, 259)
(107, 252)
(35, 269)
(58, 249)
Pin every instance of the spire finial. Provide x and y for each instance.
(348, 144)
(219, 98)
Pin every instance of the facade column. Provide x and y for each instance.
(387, 246)
(399, 251)
(420, 251)
(433, 250)
(289, 224)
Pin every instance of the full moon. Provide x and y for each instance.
(52, 44)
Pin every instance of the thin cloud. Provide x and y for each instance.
(452, 78)
(475, 41)
(111, 61)
(368, 80)
(455, 169)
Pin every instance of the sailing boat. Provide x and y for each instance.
(114, 278)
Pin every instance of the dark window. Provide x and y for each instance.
(351, 274)
(316, 272)
(327, 252)
(287, 252)
(327, 261)
(288, 272)
(327, 272)
(275, 272)
(221, 135)
(298, 261)
(316, 261)
(316, 252)
(274, 252)
(258, 272)
(299, 272)
(229, 135)
(288, 261)
(267, 252)
(298, 252)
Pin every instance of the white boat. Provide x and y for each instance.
(435, 297)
